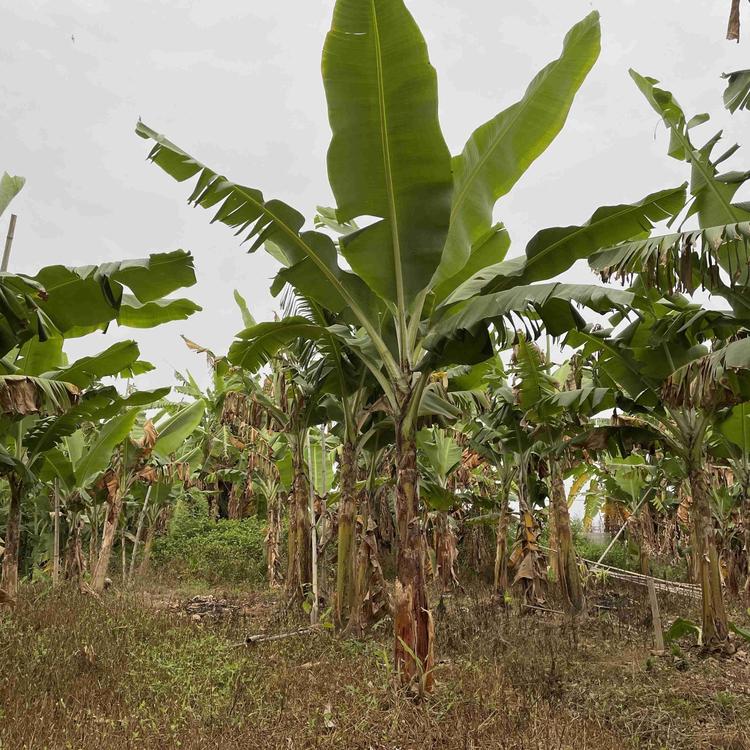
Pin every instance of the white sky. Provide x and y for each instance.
(237, 84)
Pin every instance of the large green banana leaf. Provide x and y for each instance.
(256, 345)
(20, 314)
(387, 157)
(86, 370)
(79, 300)
(273, 222)
(320, 466)
(736, 426)
(98, 453)
(490, 250)
(135, 314)
(500, 151)
(712, 192)
(175, 430)
(35, 357)
(682, 261)
(552, 251)
(58, 466)
(587, 401)
(714, 379)
(10, 186)
(94, 405)
(247, 319)
(737, 92)
(440, 450)
(533, 383)
(554, 304)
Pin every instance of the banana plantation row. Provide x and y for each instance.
(400, 402)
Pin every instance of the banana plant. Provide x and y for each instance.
(46, 396)
(432, 258)
(731, 443)
(695, 383)
(679, 395)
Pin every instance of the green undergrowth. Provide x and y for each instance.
(624, 555)
(216, 552)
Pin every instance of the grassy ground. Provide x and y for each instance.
(133, 672)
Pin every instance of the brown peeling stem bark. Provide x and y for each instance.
(299, 572)
(567, 565)
(12, 539)
(345, 566)
(446, 551)
(714, 616)
(148, 546)
(554, 558)
(114, 507)
(413, 625)
(273, 537)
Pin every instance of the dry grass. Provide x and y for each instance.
(75, 673)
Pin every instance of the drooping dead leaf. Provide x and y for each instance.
(19, 397)
(149, 436)
(733, 27)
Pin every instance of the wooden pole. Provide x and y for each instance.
(124, 556)
(9, 242)
(56, 542)
(655, 617)
(313, 536)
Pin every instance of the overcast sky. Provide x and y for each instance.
(237, 84)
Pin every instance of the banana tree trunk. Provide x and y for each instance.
(250, 503)
(153, 529)
(139, 532)
(715, 625)
(345, 564)
(446, 551)
(746, 524)
(75, 563)
(114, 507)
(645, 528)
(554, 558)
(413, 625)
(501, 549)
(567, 565)
(273, 538)
(236, 502)
(56, 535)
(9, 582)
(299, 571)
(93, 537)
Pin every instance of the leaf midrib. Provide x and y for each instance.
(385, 144)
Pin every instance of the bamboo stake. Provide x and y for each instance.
(9, 242)
(56, 542)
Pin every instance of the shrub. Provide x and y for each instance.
(221, 551)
